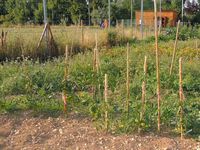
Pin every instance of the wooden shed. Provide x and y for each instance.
(169, 18)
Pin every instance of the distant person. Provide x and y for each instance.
(102, 24)
(140, 22)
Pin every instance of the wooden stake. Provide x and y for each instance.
(144, 89)
(45, 28)
(65, 80)
(106, 101)
(127, 81)
(97, 63)
(95, 73)
(157, 63)
(181, 96)
(175, 47)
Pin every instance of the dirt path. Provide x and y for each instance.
(76, 133)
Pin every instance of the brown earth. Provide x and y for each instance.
(77, 133)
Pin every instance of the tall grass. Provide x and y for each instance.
(24, 39)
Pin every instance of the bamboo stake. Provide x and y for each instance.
(127, 81)
(97, 64)
(175, 47)
(181, 96)
(95, 72)
(106, 101)
(65, 79)
(157, 63)
(144, 89)
(43, 33)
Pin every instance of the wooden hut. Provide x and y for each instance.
(169, 18)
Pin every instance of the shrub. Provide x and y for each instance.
(112, 38)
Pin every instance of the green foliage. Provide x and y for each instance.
(185, 33)
(112, 38)
(71, 11)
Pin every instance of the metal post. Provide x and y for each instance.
(142, 11)
(131, 13)
(88, 3)
(89, 12)
(45, 11)
(45, 22)
(109, 13)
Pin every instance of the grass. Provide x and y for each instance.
(24, 40)
(38, 86)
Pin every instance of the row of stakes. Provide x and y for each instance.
(96, 68)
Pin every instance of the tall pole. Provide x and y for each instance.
(88, 3)
(182, 10)
(45, 11)
(131, 13)
(109, 13)
(46, 25)
(157, 63)
(141, 18)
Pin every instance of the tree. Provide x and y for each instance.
(71, 11)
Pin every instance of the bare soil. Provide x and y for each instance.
(23, 131)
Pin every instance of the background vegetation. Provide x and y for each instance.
(72, 11)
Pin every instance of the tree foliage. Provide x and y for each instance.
(72, 11)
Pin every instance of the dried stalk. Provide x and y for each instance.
(106, 101)
(127, 81)
(175, 47)
(157, 63)
(65, 80)
(181, 96)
